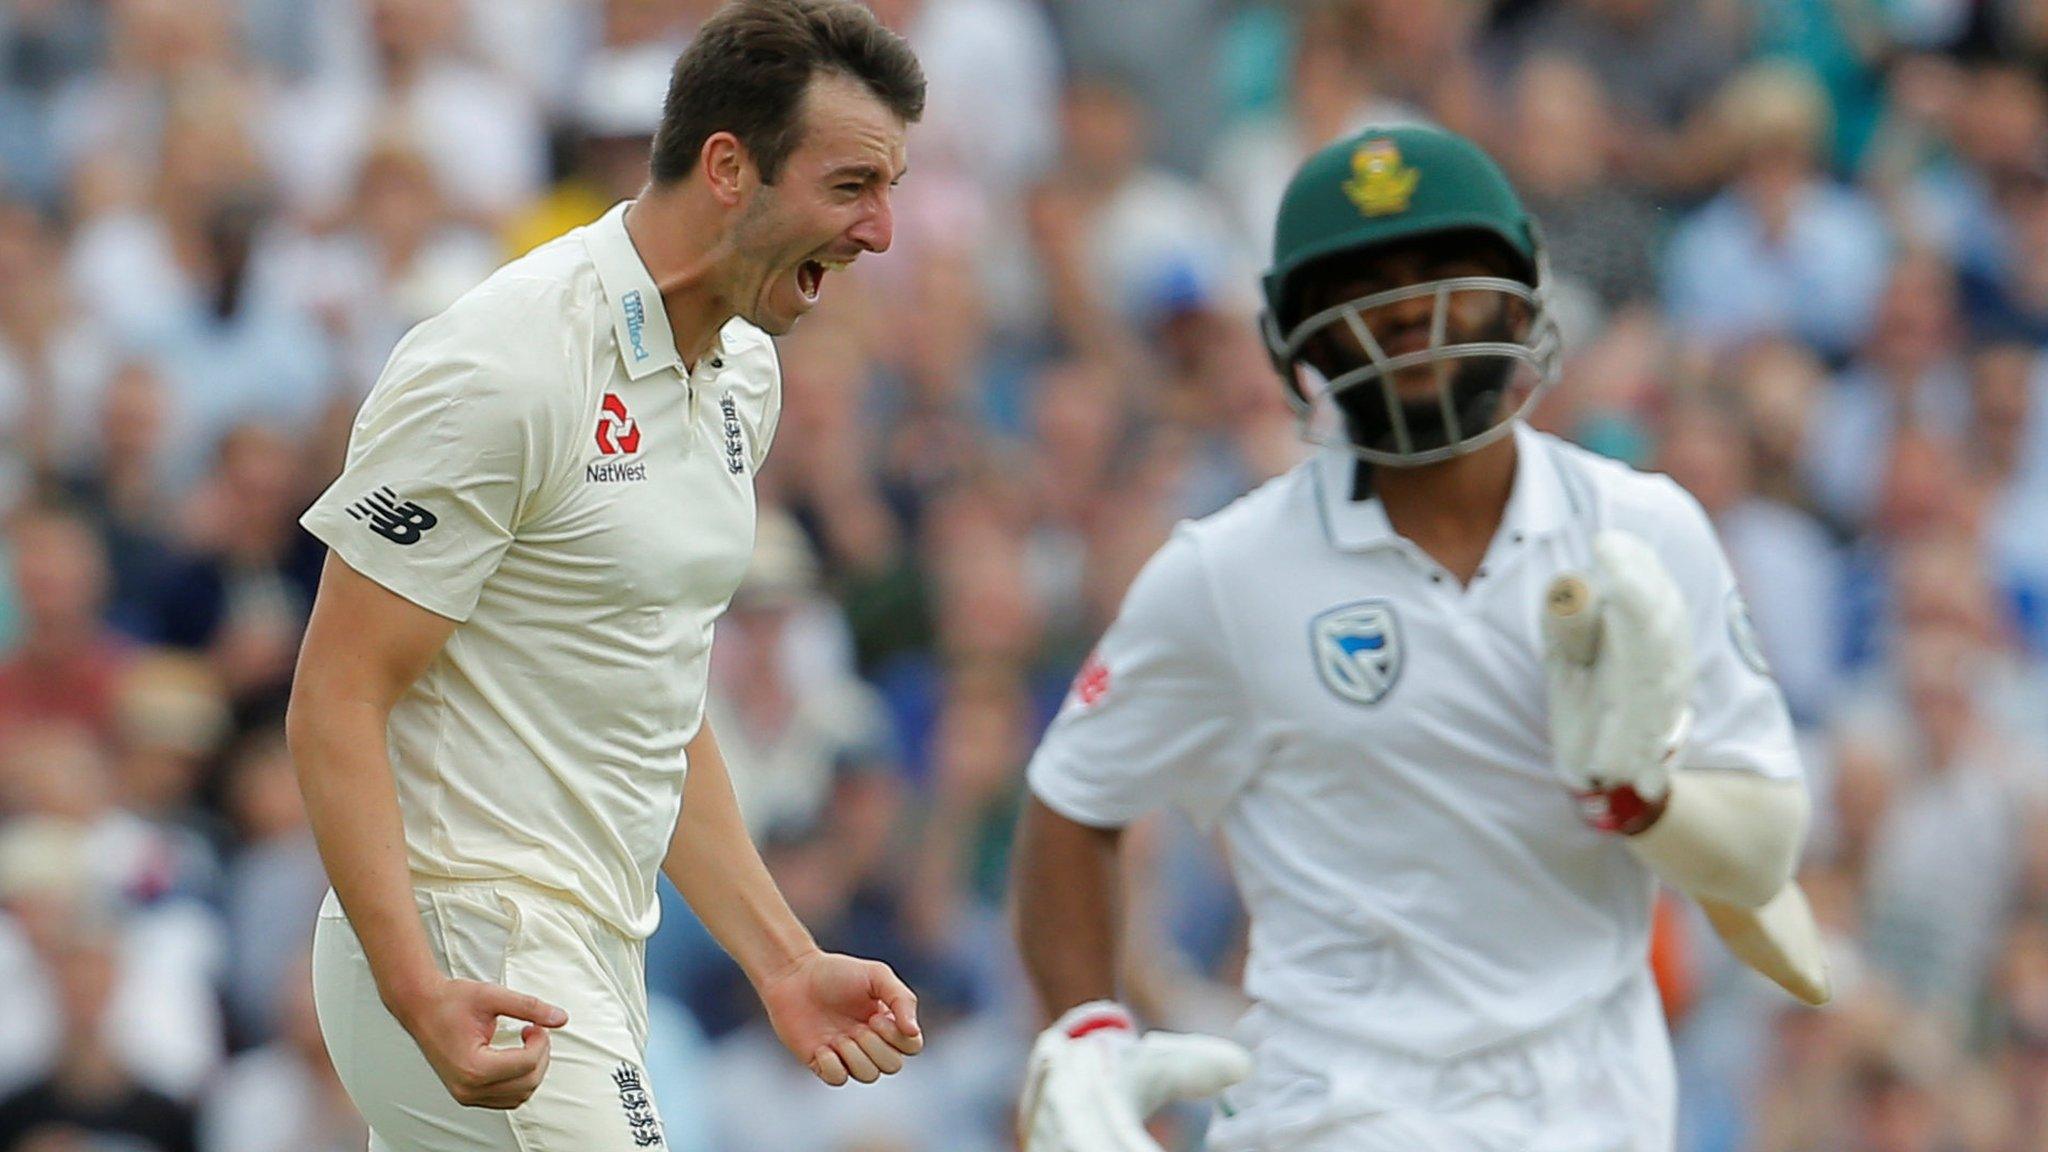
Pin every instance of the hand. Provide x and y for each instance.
(844, 1017)
(1093, 1080)
(1618, 658)
(453, 1023)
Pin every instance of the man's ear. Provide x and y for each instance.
(727, 168)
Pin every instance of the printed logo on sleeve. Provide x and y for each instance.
(1091, 683)
(639, 1107)
(398, 520)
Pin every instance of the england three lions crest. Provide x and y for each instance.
(1358, 649)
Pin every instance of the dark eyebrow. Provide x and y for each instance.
(865, 173)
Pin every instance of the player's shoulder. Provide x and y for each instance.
(751, 363)
(536, 303)
(516, 342)
(1607, 493)
(1250, 519)
(1601, 487)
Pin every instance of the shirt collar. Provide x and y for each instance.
(1537, 506)
(646, 343)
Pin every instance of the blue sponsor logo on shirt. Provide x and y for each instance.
(636, 322)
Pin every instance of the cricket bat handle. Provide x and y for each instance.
(1571, 611)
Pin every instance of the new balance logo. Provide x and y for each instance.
(400, 521)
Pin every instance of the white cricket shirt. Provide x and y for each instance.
(1372, 739)
(537, 464)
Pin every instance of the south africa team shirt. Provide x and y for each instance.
(539, 465)
(1371, 738)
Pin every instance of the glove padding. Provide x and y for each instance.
(1618, 724)
(1093, 1080)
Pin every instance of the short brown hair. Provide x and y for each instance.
(749, 65)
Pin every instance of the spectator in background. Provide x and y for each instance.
(1954, 160)
(90, 1094)
(483, 135)
(187, 276)
(1660, 60)
(783, 697)
(283, 1096)
(1785, 566)
(171, 716)
(1425, 53)
(1895, 1105)
(2007, 444)
(2008, 297)
(1598, 226)
(402, 257)
(1944, 869)
(118, 482)
(53, 360)
(1908, 373)
(51, 43)
(67, 858)
(1779, 383)
(1330, 94)
(1109, 227)
(993, 68)
(2020, 1025)
(828, 478)
(1923, 495)
(614, 108)
(1165, 50)
(272, 892)
(68, 662)
(980, 742)
(109, 124)
(244, 584)
(1784, 250)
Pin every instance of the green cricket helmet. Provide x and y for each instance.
(1398, 185)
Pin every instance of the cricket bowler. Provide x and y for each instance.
(548, 500)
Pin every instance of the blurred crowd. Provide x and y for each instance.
(1801, 253)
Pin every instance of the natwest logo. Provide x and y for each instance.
(616, 431)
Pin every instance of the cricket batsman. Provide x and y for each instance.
(1457, 695)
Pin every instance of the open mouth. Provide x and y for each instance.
(810, 277)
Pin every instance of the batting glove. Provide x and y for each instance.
(1620, 677)
(1093, 1079)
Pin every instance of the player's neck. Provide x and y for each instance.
(681, 251)
(1452, 508)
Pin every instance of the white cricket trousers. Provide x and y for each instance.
(594, 1097)
(1599, 1081)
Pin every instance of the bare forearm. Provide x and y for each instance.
(714, 864)
(352, 804)
(1066, 926)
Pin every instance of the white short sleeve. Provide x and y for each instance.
(1157, 715)
(443, 460)
(1739, 716)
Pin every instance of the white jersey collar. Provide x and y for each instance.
(1537, 506)
(646, 343)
